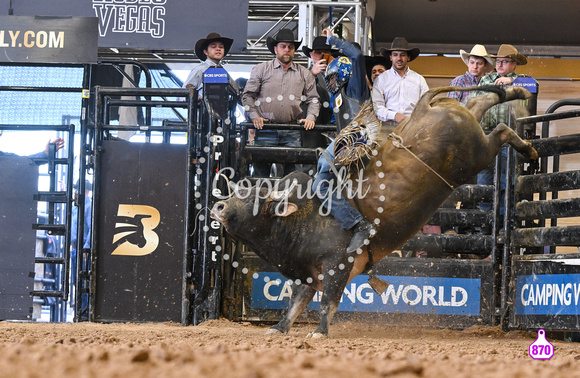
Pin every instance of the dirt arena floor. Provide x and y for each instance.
(221, 348)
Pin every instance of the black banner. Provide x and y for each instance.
(149, 24)
(18, 183)
(140, 234)
(26, 39)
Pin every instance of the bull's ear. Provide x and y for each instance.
(283, 211)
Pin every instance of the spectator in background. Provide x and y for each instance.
(74, 230)
(275, 92)
(478, 64)
(397, 90)
(506, 62)
(58, 142)
(211, 50)
(375, 66)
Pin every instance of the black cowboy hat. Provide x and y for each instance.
(371, 61)
(401, 44)
(284, 35)
(319, 43)
(212, 37)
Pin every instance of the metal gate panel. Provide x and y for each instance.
(140, 208)
(18, 184)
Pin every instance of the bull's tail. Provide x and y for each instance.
(427, 97)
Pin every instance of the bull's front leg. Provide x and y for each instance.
(301, 296)
(334, 282)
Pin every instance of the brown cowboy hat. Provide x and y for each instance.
(319, 43)
(477, 50)
(371, 61)
(212, 37)
(508, 51)
(284, 35)
(401, 44)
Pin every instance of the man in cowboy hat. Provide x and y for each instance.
(275, 92)
(211, 51)
(320, 54)
(375, 65)
(506, 61)
(397, 90)
(478, 63)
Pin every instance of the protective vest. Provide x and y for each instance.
(344, 105)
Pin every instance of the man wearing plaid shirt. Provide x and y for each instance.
(507, 59)
(478, 63)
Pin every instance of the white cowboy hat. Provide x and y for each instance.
(477, 50)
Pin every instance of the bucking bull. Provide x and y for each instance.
(289, 231)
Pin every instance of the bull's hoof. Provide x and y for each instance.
(316, 335)
(273, 331)
(533, 153)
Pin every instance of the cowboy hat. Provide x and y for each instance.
(477, 50)
(319, 43)
(508, 51)
(371, 61)
(401, 44)
(284, 35)
(212, 37)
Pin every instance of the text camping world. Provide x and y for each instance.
(425, 295)
(264, 189)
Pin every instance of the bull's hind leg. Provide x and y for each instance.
(480, 104)
(334, 283)
(301, 296)
(503, 134)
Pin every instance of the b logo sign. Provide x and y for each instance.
(134, 230)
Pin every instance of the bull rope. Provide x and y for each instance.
(397, 141)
